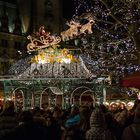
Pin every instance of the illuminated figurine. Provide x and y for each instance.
(42, 32)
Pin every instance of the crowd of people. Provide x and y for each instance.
(75, 123)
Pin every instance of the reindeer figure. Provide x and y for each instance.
(71, 32)
(87, 28)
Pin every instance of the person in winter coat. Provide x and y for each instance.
(28, 129)
(71, 131)
(7, 119)
(132, 132)
(74, 118)
(98, 129)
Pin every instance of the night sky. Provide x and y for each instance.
(68, 8)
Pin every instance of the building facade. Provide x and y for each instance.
(18, 19)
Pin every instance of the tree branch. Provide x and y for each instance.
(99, 20)
(128, 5)
(113, 16)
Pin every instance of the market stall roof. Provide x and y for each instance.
(132, 80)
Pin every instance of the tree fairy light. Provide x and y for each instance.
(107, 32)
(113, 46)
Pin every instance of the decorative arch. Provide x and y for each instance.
(17, 99)
(92, 96)
(56, 91)
(72, 94)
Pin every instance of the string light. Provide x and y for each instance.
(111, 48)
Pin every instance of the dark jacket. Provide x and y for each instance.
(98, 129)
(7, 122)
(29, 131)
(132, 132)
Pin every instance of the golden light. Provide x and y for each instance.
(130, 105)
(138, 95)
(52, 55)
(66, 60)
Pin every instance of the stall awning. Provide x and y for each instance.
(132, 80)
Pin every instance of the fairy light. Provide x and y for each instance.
(111, 52)
(50, 55)
(110, 49)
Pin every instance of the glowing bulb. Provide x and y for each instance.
(41, 61)
(66, 60)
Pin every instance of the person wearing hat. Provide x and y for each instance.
(98, 130)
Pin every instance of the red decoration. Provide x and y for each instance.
(42, 32)
(132, 80)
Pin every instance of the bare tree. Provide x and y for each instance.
(115, 42)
